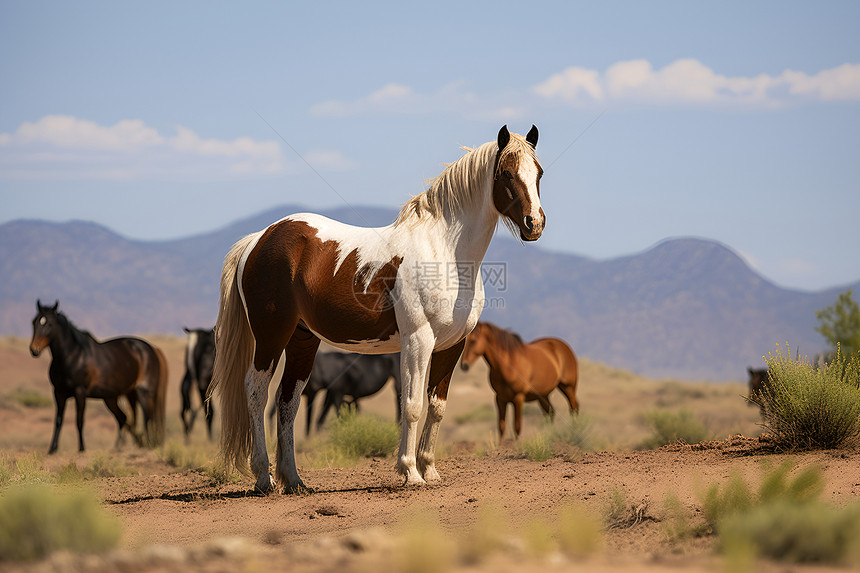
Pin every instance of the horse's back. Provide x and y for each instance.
(562, 355)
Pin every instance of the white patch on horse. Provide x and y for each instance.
(189, 354)
(528, 173)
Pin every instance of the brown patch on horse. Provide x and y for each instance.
(289, 276)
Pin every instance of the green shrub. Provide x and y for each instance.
(784, 519)
(36, 520)
(579, 532)
(103, 466)
(354, 436)
(538, 448)
(29, 398)
(812, 408)
(575, 434)
(670, 427)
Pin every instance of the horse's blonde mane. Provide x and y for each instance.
(450, 191)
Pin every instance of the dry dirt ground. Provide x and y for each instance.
(361, 519)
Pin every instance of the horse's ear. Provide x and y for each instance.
(56, 304)
(38, 305)
(532, 136)
(504, 137)
(186, 330)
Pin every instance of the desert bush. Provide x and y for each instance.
(363, 436)
(36, 520)
(784, 519)
(812, 408)
(28, 398)
(579, 532)
(538, 448)
(574, 434)
(102, 466)
(672, 427)
(31, 468)
(352, 437)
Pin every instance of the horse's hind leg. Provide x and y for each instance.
(187, 412)
(120, 416)
(570, 393)
(299, 360)
(208, 410)
(442, 366)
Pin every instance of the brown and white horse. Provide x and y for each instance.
(521, 372)
(412, 287)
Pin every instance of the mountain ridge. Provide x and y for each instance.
(686, 307)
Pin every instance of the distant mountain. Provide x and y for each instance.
(686, 308)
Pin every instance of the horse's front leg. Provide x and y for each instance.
(417, 348)
(60, 400)
(80, 406)
(442, 366)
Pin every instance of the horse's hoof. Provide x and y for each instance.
(431, 475)
(298, 489)
(264, 486)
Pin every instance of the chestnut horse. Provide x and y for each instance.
(307, 278)
(82, 367)
(521, 372)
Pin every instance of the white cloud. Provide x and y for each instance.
(329, 160)
(68, 131)
(62, 147)
(689, 81)
(399, 99)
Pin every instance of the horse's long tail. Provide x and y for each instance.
(158, 415)
(234, 350)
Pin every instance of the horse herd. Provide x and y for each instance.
(371, 291)
(132, 368)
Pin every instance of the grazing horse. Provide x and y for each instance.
(521, 372)
(356, 376)
(82, 367)
(199, 363)
(345, 375)
(307, 278)
(758, 384)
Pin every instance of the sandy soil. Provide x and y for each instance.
(361, 519)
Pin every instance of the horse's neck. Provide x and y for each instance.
(69, 344)
(494, 355)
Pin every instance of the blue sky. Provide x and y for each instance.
(734, 121)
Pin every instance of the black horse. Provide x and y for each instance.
(199, 364)
(82, 367)
(348, 376)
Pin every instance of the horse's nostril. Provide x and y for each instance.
(529, 221)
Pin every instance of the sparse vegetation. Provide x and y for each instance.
(28, 398)
(352, 437)
(36, 520)
(812, 408)
(672, 427)
(573, 434)
(579, 532)
(783, 519)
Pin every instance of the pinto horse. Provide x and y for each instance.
(521, 372)
(199, 363)
(81, 367)
(307, 278)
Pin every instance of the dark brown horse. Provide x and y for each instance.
(82, 367)
(521, 372)
(758, 384)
